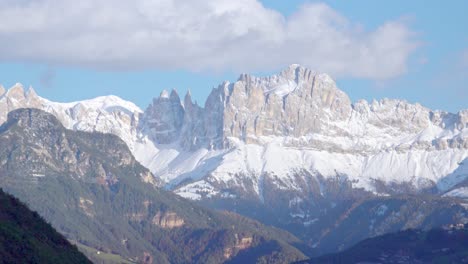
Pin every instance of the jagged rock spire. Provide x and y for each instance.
(16, 91)
(164, 94)
(163, 119)
(174, 95)
(188, 99)
(31, 93)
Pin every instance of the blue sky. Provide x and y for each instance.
(427, 44)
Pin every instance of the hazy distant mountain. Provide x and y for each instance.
(26, 238)
(291, 150)
(410, 246)
(89, 187)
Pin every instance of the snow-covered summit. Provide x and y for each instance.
(287, 81)
(298, 120)
(107, 103)
(107, 114)
(277, 127)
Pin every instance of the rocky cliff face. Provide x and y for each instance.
(299, 120)
(308, 110)
(295, 103)
(163, 119)
(16, 97)
(46, 146)
(168, 220)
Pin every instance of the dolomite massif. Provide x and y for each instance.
(293, 145)
(298, 116)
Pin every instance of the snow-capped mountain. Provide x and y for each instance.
(106, 114)
(273, 127)
(290, 150)
(300, 121)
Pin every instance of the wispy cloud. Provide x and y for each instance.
(46, 79)
(211, 35)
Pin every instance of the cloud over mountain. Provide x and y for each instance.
(212, 35)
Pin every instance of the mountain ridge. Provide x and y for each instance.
(253, 111)
(294, 142)
(89, 186)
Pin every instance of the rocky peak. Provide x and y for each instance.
(295, 72)
(32, 119)
(292, 103)
(188, 98)
(164, 94)
(283, 83)
(16, 92)
(462, 119)
(296, 103)
(163, 119)
(31, 93)
(15, 98)
(174, 96)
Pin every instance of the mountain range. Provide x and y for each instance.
(290, 150)
(90, 188)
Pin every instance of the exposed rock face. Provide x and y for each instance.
(168, 220)
(307, 109)
(241, 244)
(294, 103)
(163, 118)
(193, 130)
(15, 98)
(86, 206)
(270, 128)
(56, 150)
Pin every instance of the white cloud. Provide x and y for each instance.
(206, 35)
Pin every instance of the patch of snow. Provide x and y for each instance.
(310, 222)
(197, 190)
(461, 192)
(382, 210)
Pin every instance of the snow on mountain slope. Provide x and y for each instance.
(419, 168)
(106, 114)
(299, 120)
(273, 128)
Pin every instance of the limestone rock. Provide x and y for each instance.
(163, 119)
(168, 220)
